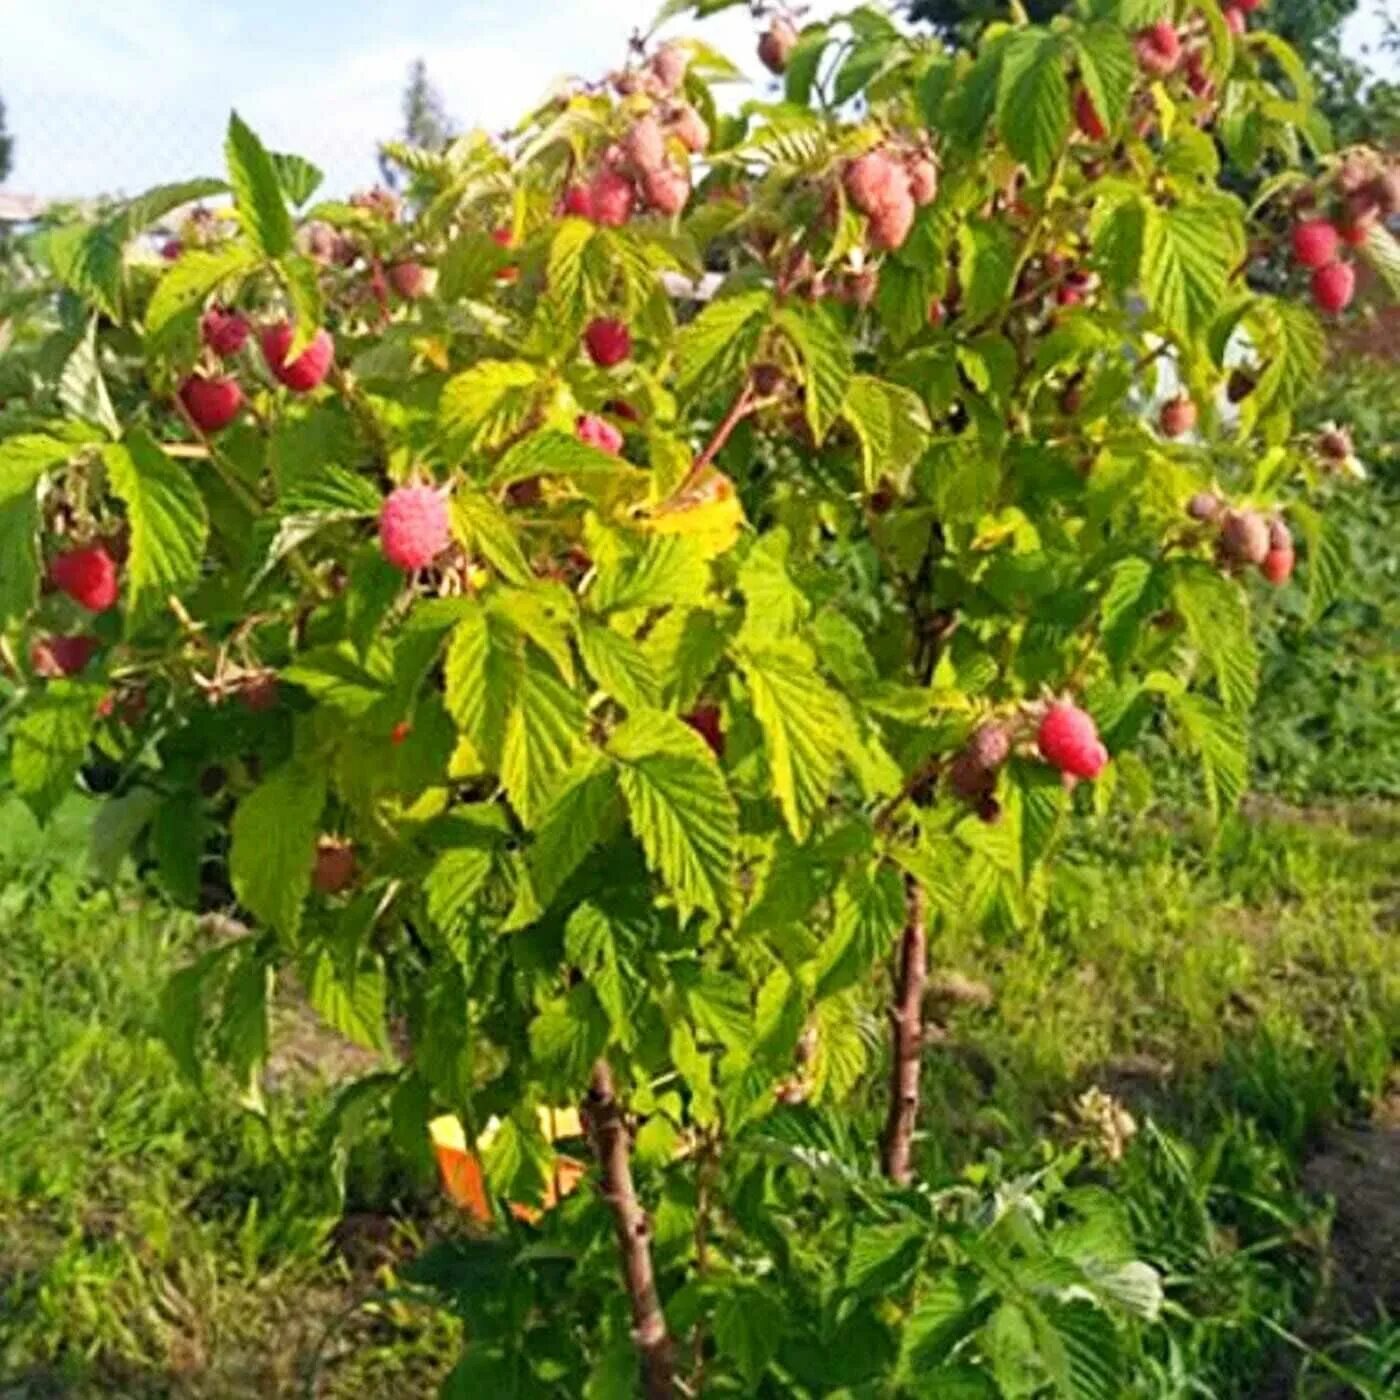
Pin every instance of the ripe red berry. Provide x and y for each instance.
(705, 721)
(1278, 566)
(62, 656)
(1334, 286)
(610, 197)
(609, 342)
(1086, 114)
(409, 280)
(937, 312)
(667, 190)
(1069, 740)
(669, 65)
(88, 576)
(335, 865)
(1249, 6)
(1178, 417)
(598, 432)
(211, 403)
(1159, 49)
(304, 373)
(578, 202)
(1235, 21)
(400, 732)
(776, 46)
(224, 332)
(260, 693)
(413, 527)
(1315, 242)
(1355, 234)
(923, 181)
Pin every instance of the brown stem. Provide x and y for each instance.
(743, 402)
(613, 1151)
(907, 1023)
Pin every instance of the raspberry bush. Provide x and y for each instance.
(596, 621)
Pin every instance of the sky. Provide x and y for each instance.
(113, 96)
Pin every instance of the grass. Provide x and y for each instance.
(1243, 1002)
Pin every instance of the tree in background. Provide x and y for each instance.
(426, 124)
(7, 145)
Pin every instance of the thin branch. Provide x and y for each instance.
(907, 1025)
(612, 1148)
(738, 410)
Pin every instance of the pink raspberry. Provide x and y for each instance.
(211, 403)
(413, 527)
(874, 180)
(609, 342)
(1235, 21)
(1069, 740)
(598, 432)
(88, 576)
(611, 196)
(224, 332)
(578, 202)
(891, 222)
(1315, 242)
(1334, 286)
(1159, 49)
(667, 190)
(409, 280)
(308, 369)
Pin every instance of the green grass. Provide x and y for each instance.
(1241, 1000)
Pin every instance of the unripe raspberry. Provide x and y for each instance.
(1334, 444)
(1159, 49)
(578, 202)
(1278, 566)
(1087, 116)
(890, 224)
(224, 332)
(413, 527)
(645, 145)
(1315, 242)
(55, 657)
(304, 373)
(873, 180)
(211, 403)
(923, 181)
(88, 576)
(968, 778)
(1178, 417)
(1334, 286)
(1235, 21)
(666, 190)
(768, 379)
(1244, 536)
(1280, 536)
(598, 432)
(172, 250)
(669, 65)
(705, 721)
(1069, 740)
(608, 341)
(1204, 505)
(776, 46)
(611, 197)
(525, 494)
(688, 127)
(409, 280)
(260, 693)
(335, 866)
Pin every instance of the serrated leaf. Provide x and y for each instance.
(480, 671)
(168, 520)
(680, 808)
(517, 1162)
(774, 606)
(1382, 251)
(336, 676)
(870, 913)
(452, 886)
(299, 178)
(882, 1257)
(1293, 348)
(23, 462)
(1033, 99)
(262, 205)
(826, 360)
(81, 388)
(748, 1328)
(577, 819)
(49, 741)
(619, 666)
(987, 267)
(805, 727)
(188, 283)
(1107, 69)
(1218, 737)
(670, 570)
(1216, 615)
(715, 348)
(1187, 256)
(486, 404)
(88, 259)
(892, 425)
(568, 1036)
(274, 844)
(941, 1317)
(118, 823)
(543, 731)
(485, 528)
(558, 454)
(1329, 558)
(352, 1004)
(975, 96)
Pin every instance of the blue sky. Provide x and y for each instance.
(117, 95)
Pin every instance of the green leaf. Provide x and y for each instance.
(49, 741)
(716, 347)
(1188, 254)
(168, 520)
(568, 1036)
(242, 1027)
(352, 1004)
(480, 674)
(517, 1162)
(1216, 614)
(826, 361)
(576, 820)
(987, 266)
(262, 205)
(23, 462)
(487, 404)
(1329, 558)
(940, 1319)
(543, 730)
(302, 279)
(484, 527)
(748, 1327)
(774, 605)
(188, 283)
(452, 888)
(1292, 346)
(805, 728)
(680, 808)
(119, 821)
(297, 176)
(81, 388)
(1107, 69)
(274, 844)
(882, 1257)
(1033, 99)
(559, 454)
(870, 915)
(1218, 737)
(685, 647)
(88, 259)
(892, 425)
(1382, 251)
(619, 666)
(336, 676)
(975, 97)
(670, 570)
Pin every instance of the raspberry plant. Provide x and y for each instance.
(597, 619)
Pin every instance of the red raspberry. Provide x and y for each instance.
(413, 527)
(705, 721)
(1249, 6)
(62, 656)
(667, 190)
(335, 865)
(873, 180)
(776, 46)
(409, 280)
(1235, 21)
(1178, 417)
(211, 403)
(1315, 242)
(1334, 286)
(1159, 49)
(609, 342)
(923, 181)
(610, 197)
(598, 432)
(890, 224)
(172, 249)
(1278, 566)
(308, 369)
(224, 332)
(88, 576)
(1069, 740)
(578, 202)
(1086, 114)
